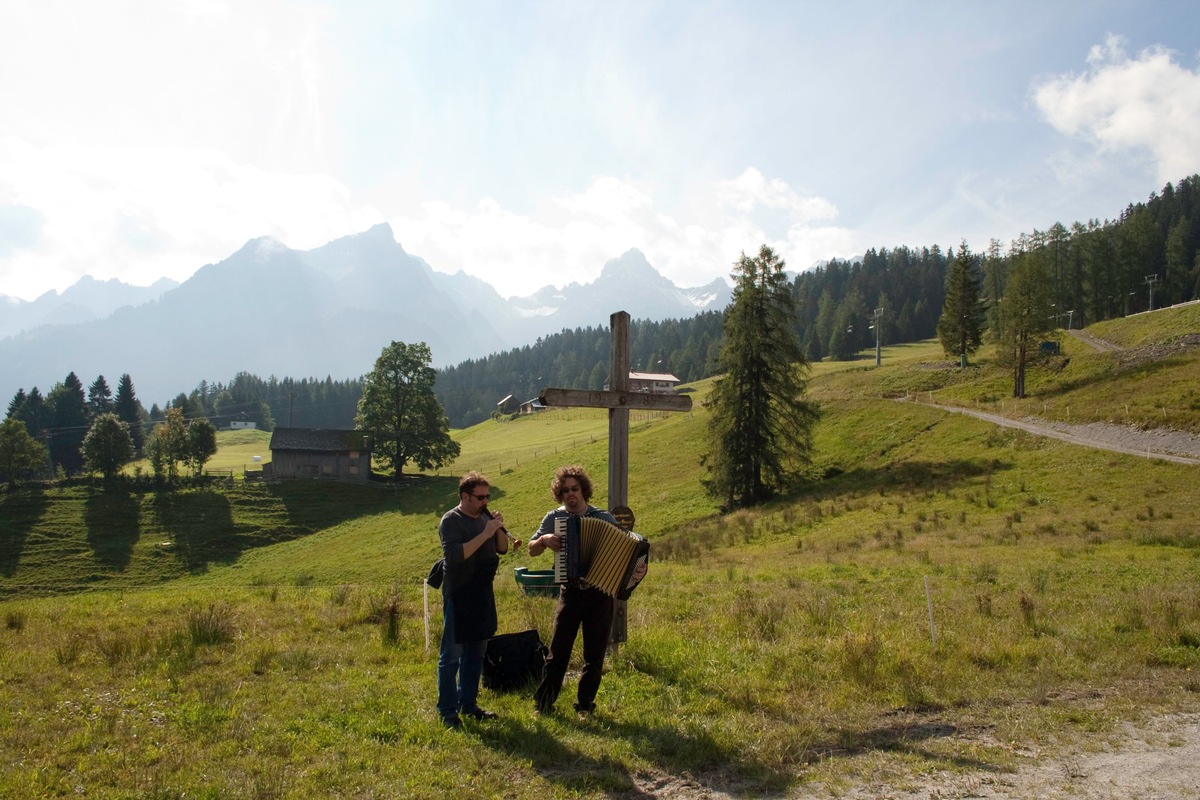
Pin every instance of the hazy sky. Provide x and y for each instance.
(527, 143)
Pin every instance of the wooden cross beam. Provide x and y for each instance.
(618, 400)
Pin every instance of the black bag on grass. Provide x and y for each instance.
(513, 660)
(436, 574)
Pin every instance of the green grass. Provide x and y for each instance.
(269, 641)
(1142, 329)
(235, 452)
(1150, 385)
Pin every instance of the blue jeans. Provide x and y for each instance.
(460, 665)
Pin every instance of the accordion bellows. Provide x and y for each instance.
(599, 554)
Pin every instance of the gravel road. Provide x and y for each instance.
(1168, 445)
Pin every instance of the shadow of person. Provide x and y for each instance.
(673, 751)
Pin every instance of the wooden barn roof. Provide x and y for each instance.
(319, 440)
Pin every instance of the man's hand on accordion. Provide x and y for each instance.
(639, 572)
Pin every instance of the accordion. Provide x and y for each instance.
(599, 554)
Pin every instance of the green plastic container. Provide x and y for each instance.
(536, 581)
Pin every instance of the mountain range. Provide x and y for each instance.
(270, 310)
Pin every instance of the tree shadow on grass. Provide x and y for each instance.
(315, 504)
(914, 475)
(201, 528)
(111, 517)
(20, 511)
(1145, 370)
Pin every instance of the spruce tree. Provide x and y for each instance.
(15, 405)
(100, 399)
(69, 424)
(760, 431)
(129, 411)
(960, 329)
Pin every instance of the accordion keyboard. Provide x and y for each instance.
(560, 558)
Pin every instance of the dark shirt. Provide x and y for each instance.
(547, 525)
(455, 530)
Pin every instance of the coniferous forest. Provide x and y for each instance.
(1147, 257)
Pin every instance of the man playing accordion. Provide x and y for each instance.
(579, 607)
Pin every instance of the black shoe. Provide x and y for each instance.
(479, 713)
(585, 708)
(543, 709)
(452, 721)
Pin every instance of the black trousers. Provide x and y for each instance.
(592, 611)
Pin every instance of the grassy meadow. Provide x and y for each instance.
(944, 595)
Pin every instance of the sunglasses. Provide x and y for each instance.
(481, 497)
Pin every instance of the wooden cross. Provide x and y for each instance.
(618, 400)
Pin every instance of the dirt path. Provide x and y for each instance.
(1168, 445)
(1156, 760)
(1096, 342)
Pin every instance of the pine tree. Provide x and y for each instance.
(69, 424)
(129, 411)
(760, 431)
(100, 399)
(964, 317)
(1026, 315)
(16, 404)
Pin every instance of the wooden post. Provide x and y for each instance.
(618, 418)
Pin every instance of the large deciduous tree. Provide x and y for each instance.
(20, 454)
(960, 329)
(108, 446)
(398, 408)
(168, 445)
(201, 444)
(760, 431)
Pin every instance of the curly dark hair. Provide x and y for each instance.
(573, 471)
(471, 481)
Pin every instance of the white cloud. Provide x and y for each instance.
(1149, 102)
(568, 239)
(752, 190)
(142, 149)
(148, 212)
